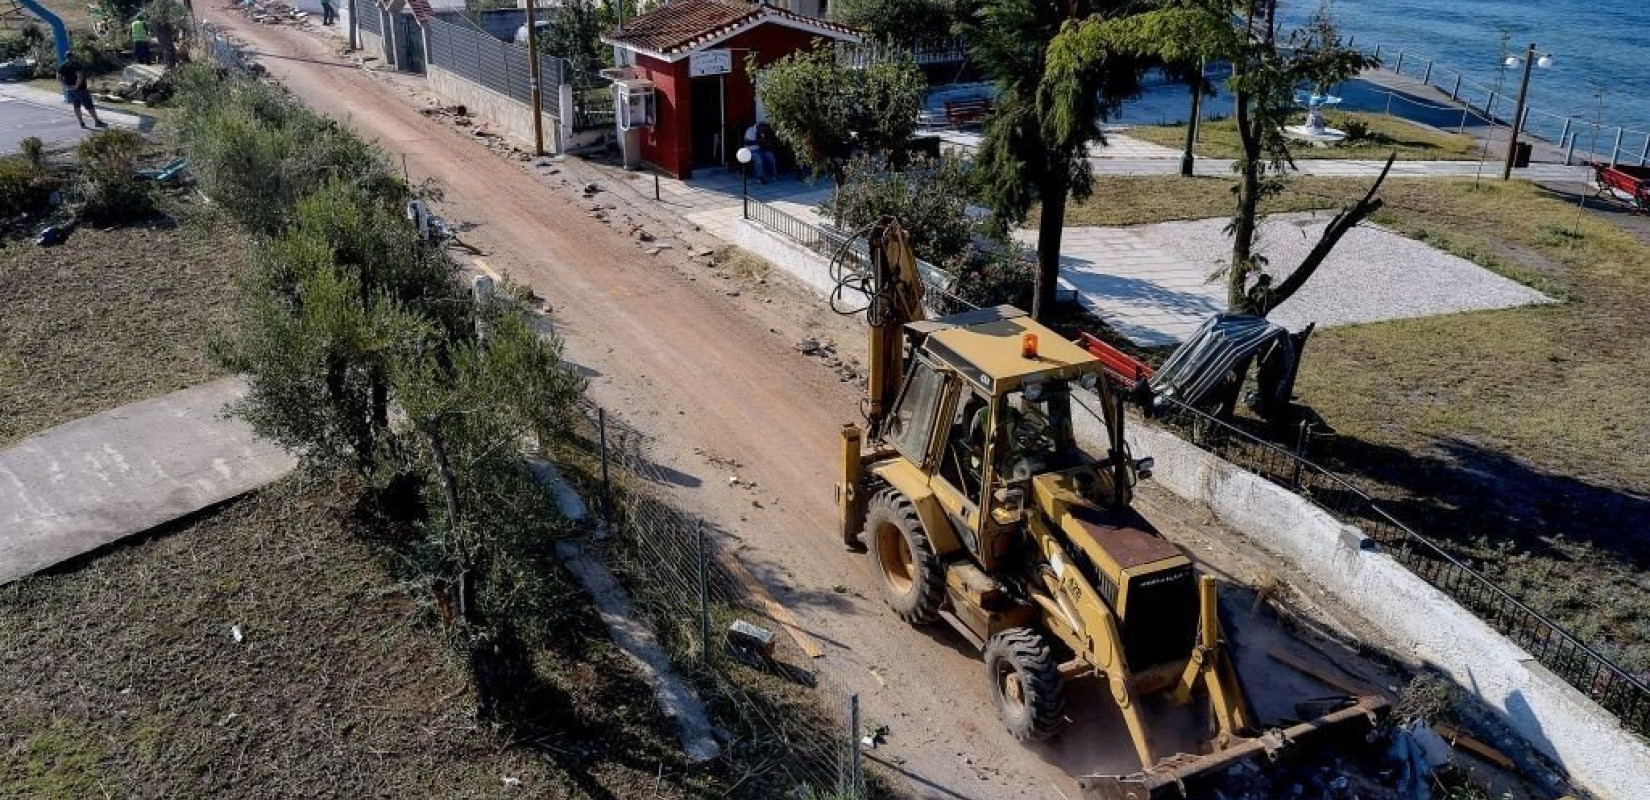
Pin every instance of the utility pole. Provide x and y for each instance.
(533, 79)
(1518, 113)
(354, 42)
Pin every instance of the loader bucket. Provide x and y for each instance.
(1177, 777)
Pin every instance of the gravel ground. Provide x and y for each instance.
(1372, 275)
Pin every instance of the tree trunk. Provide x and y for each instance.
(1049, 231)
(1247, 220)
(449, 496)
(1187, 160)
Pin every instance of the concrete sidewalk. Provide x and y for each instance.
(85, 484)
(27, 111)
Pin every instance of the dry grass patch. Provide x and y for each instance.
(120, 676)
(112, 316)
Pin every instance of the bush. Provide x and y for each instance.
(256, 152)
(1355, 128)
(24, 188)
(1004, 274)
(929, 198)
(34, 151)
(109, 186)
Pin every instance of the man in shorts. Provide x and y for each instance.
(75, 89)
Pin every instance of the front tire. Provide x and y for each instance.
(909, 573)
(1025, 682)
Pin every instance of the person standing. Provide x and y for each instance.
(140, 40)
(328, 14)
(763, 161)
(75, 89)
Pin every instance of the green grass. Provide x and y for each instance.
(112, 316)
(1517, 436)
(1219, 139)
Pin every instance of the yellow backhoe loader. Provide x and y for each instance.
(977, 508)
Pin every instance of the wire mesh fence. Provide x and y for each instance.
(792, 726)
(1622, 693)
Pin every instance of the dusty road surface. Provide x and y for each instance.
(716, 378)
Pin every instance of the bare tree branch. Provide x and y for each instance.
(1346, 220)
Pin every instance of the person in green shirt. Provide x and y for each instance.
(140, 40)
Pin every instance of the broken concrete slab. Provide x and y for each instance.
(94, 481)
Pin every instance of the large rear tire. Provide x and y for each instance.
(908, 570)
(1025, 682)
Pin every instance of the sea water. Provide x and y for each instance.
(1598, 47)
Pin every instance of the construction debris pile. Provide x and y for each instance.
(140, 89)
(273, 12)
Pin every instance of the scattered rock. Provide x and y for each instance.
(590, 189)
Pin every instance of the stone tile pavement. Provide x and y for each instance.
(1156, 283)
(713, 199)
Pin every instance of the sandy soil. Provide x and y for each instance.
(700, 355)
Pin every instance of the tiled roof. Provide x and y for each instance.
(683, 25)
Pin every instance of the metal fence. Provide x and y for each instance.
(500, 66)
(1611, 686)
(368, 17)
(689, 589)
(859, 56)
(1576, 135)
(592, 102)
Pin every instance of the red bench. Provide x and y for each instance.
(965, 113)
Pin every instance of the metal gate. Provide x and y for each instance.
(409, 38)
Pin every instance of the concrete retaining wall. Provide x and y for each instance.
(371, 44)
(1558, 721)
(513, 117)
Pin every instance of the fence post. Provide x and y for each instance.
(1426, 77)
(1455, 93)
(853, 745)
(1464, 110)
(1644, 154)
(704, 598)
(1570, 152)
(1300, 453)
(1615, 149)
(1400, 68)
(607, 487)
(1564, 135)
(1377, 54)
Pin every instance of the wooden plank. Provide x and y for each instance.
(777, 612)
(1458, 738)
(1319, 673)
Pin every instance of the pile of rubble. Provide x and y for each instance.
(846, 370)
(273, 12)
(141, 85)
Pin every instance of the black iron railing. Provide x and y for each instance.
(1617, 690)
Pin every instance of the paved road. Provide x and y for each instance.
(27, 111)
(83, 485)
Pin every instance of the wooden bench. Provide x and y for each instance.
(965, 113)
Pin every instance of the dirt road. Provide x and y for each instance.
(709, 376)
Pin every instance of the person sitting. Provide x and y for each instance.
(759, 140)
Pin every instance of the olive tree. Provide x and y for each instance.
(824, 110)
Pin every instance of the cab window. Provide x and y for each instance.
(911, 426)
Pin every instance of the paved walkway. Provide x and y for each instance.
(27, 111)
(1153, 284)
(713, 198)
(1126, 155)
(83, 485)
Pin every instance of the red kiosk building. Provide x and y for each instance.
(694, 52)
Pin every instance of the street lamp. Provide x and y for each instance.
(744, 157)
(1530, 60)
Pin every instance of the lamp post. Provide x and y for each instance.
(1530, 61)
(744, 156)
